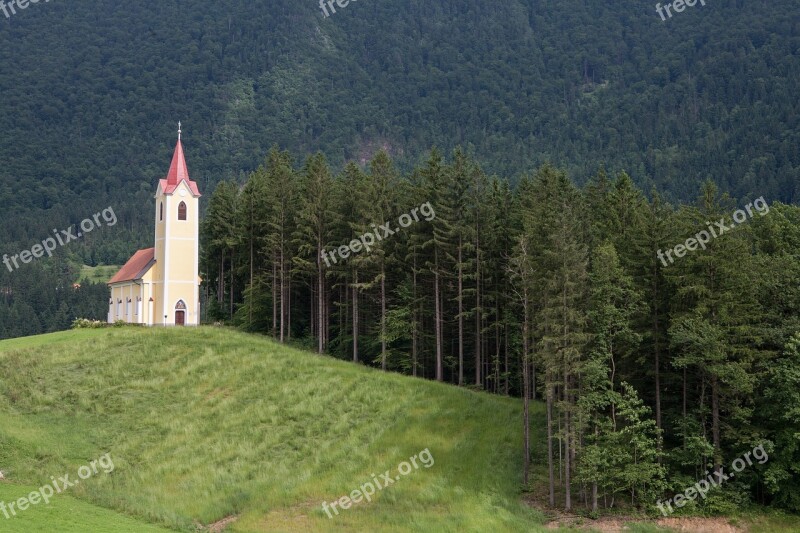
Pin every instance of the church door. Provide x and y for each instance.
(180, 313)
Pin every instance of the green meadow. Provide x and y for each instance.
(206, 424)
(210, 428)
(97, 274)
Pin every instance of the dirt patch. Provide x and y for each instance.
(615, 524)
(699, 525)
(218, 527)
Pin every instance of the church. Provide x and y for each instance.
(160, 286)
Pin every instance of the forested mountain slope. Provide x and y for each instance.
(92, 90)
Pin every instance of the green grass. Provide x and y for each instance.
(97, 274)
(204, 424)
(66, 515)
(207, 423)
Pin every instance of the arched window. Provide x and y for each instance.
(182, 211)
(161, 212)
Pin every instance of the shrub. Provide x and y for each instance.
(85, 323)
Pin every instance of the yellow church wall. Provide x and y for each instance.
(124, 299)
(161, 218)
(177, 256)
(138, 292)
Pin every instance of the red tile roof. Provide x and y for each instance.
(136, 267)
(178, 172)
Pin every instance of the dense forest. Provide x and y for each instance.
(654, 371)
(92, 92)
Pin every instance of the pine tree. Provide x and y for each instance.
(252, 212)
(218, 237)
(459, 176)
(358, 213)
(315, 223)
(383, 186)
(714, 302)
(280, 222)
(437, 246)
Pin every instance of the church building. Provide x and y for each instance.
(160, 286)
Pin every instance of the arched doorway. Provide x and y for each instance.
(180, 313)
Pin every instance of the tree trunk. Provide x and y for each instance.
(715, 432)
(320, 301)
(684, 405)
(438, 320)
(505, 327)
(221, 284)
(383, 316)
(656, 348)
(497, 349)
(567, 455)
(288, 305)
(478, 309)
(274, 299)
(252, 292)
(526, 390)
(283, 293)
(461, 317)
(550, 473)
(594, 483)
(414, 317)
(313, 302)
(355, 317)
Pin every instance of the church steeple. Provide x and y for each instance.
(178, 170)
(177, 245)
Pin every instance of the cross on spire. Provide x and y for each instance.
(179, 130)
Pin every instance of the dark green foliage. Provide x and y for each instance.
(653, 373)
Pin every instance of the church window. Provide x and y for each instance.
(182, 211)
(161, 212)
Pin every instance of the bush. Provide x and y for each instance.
(85, 323)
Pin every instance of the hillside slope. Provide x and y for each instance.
(207, 424)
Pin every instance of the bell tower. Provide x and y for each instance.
(176, 295)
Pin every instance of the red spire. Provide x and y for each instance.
(178, 170)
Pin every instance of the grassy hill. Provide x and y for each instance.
(67, 514)
(207, 424)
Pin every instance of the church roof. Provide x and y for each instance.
(136, 267)
(178, 172)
